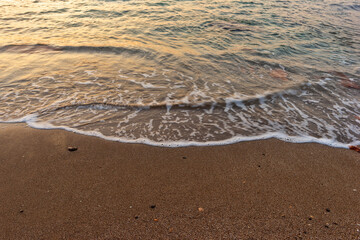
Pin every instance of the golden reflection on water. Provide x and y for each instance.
(92, 23)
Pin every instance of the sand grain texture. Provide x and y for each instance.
(109, 190)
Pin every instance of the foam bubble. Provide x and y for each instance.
(237, 139)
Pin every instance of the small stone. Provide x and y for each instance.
(152, 206)
(155, 219)
(21, 211)
(311, 217)
(328, 209)
(263, 154)
(72, 149)
(327, 225)
(184, 157)
(259, 166)
(136, 217)
(200, 209)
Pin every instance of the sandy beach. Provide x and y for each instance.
(109, 190)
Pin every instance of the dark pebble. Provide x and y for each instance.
(72, 149)
(21, 211)
(184, 157)
(310, 218)
(259, 166)
(153, 206)
(136, 217)
(327, 226)
(263, 154)
(328, 209)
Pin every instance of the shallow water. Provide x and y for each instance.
(184, 72)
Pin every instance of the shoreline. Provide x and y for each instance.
(234, 140)
(263, 189)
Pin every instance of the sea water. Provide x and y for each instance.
(184, 72)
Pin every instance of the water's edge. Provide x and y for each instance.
(233, 140)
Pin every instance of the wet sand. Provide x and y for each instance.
(108, 190)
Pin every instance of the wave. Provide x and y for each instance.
(291, 115)
(173, 104)
(31, 121)
(36, 48)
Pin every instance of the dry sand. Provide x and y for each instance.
(109, 190)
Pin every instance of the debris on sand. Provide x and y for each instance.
(72, 149)
(355, 148)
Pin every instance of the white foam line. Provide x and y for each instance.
(30, 120)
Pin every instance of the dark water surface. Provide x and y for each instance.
(184, 72)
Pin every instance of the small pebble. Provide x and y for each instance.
(136, 217)
(21, 211)
(184, 157)
(153, 206)
(328, 209)
(327, 225)
(72, 149)
(200, 209)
